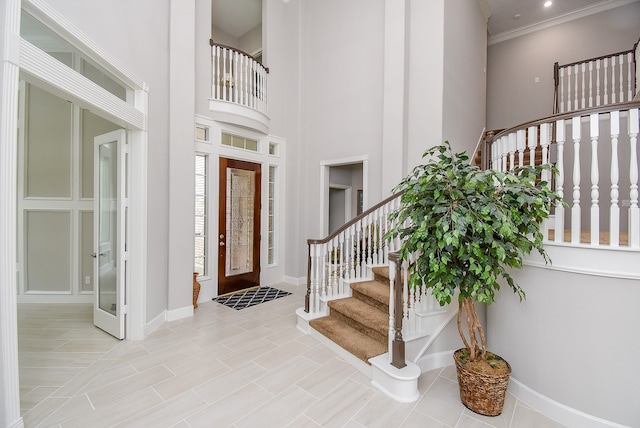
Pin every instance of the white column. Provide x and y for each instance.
(9, 382)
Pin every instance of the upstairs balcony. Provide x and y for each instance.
(238, 88)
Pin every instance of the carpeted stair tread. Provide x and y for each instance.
(375, 293)
(362, 316)
(357, 343)
(381, 273)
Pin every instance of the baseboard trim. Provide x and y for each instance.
(155, 323)
(177, 314)
(437, 360)
(557, 411)
(295, 281)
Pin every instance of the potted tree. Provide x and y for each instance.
(467, 227)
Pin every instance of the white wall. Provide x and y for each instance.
(251, 41)
(140, 41)
(573, 340)
(513, 95)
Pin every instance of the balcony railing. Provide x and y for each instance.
(236, 77)
(595, 82)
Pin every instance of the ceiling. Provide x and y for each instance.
(509, 15)
(237, 17)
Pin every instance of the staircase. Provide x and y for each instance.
(360, 323)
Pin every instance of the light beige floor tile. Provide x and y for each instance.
(381, 411)
(420, 420)
(172, 353)
(279, 411)
(450, 373)
(72, 408)
(341, 404)
(49, 376)
(167, 413)
(49, 359)
(471, 422)
(442, 402)
(280, 378)
(240, 341)
(251, 350)
(528, 418)
(83, 378)
(36, 415)
(200, 358)
(222, 386)
(229, 409)
(304, 422)
(281, 355)
(325, 378)
(39, 345)
(426, 380)
(89, 345)
(501, 421)
(107, 394)
(183, 382)
(116, 411)
(36, 395)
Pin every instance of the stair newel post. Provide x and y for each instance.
(343, 264)
(559, 211)
(634, 211)
(395, 308)
(308, 295)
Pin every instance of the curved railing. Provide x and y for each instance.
(345, 253)
(238, 78)
(605, 181)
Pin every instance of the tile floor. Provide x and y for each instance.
(220, 368)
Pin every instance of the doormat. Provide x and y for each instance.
(252, 297)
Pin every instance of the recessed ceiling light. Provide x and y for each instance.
(548, 3)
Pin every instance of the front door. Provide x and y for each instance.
(109, 241)
(239, 226)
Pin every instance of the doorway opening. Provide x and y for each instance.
(344, 191)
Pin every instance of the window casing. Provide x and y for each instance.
(201, 197)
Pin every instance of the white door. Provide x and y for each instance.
(109, 232)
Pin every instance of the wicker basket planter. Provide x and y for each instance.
(482, 393)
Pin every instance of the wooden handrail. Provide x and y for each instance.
(353, 221)
(595, 58)
(212, 43)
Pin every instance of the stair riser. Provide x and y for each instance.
(374, 334)
(370, 301)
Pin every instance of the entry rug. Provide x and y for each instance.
(252, 297)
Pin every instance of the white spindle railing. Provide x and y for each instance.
(345, 255)
(615, 80)
(604, 145)
(238, 78)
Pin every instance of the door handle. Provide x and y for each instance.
(94, 255)
(221, 244)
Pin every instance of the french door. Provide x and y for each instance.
(109, 231)
(238, 226)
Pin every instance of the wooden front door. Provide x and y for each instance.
(239, 226)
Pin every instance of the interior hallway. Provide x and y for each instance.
(249, 368)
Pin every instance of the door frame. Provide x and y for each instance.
(36, 66)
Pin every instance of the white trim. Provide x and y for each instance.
(302, 280)
(178, 314)
(567, 17)
(557, 411)
(155, 323)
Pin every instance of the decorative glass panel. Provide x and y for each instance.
(200, 250)
(271, 254)
(240, 197)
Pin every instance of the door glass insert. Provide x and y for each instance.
(108, 231)
(240, 197)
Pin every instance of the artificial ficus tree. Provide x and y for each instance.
(465, 228)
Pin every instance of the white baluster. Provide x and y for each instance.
(575, 209)
(629, 79)
(613, 80)
(562, 90)
(370, 238)
(614, 211)
(494, 154)
(583, 74)
(545, 140)
(576, 106)
(559, 212)
(590, 83)
(605, 65)
(621, 67)
(330, 267)
(504, 144)
(521, 145)
(568, 89)
(597, 82)
(634, 211)
(594, 130)
(343, 263)
(533, 143)
(323, 267)
(512, 150)
(359, 250)
(316, 284)
(351, 269)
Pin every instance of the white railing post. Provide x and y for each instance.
(634, 211)
(559, 212)
(562, 110)
(583, 74)
(590, 83)
(532, 143)
(597, 83)
(614, 210)
(576, 131)
(595, 177)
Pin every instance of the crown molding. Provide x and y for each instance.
(567, 17)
